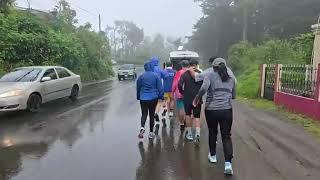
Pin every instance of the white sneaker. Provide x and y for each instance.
(228, 168)
(189, 136)
(141, 133)
(212, 159)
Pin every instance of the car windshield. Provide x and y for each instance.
(126, 67)
(22, 75)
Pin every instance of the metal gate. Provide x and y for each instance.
(270, 75)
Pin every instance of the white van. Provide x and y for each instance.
(177, 56)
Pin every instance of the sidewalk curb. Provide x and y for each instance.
(97, 82)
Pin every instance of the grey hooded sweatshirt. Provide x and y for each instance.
(219, 94)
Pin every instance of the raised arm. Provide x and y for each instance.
(204, 88)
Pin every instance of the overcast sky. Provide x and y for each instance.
(169, 17)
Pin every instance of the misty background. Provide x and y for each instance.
(168, 17)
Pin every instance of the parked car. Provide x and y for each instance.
(127, 71)
(29, 87)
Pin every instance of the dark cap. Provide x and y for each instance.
(184, 63)
(193, 62)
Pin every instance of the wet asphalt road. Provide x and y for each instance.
(96, 139)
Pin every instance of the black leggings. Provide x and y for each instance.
(148, 106)
(224, 118)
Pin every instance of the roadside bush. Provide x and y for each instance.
(248, 83)
(26, 40)
(244, 59)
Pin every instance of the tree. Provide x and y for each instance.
(27, 40)
(5, 5)
(65, 16)
(126, 37)
(226, 22)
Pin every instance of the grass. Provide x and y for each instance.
(248, 85)
(310, 125)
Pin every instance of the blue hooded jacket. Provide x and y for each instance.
(156, 68)
(149, 86)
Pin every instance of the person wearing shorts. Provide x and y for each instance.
(178, 96)
(167, 86)
(189, 88)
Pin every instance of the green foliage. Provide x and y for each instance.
(25, 40)
(304, 44)
(227, 22)
(248, 85)
(5, 5)
(244, 59)
(244, 54)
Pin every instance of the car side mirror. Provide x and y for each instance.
(44, 79)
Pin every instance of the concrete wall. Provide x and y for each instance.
(316, 47)
(306, 106)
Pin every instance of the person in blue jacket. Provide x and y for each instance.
(149, 91)
(162, 74)
(167, 86)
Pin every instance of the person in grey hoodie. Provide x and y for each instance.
(220, 88)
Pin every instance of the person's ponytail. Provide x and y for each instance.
(222, 71)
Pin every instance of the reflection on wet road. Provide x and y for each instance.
(96, 139)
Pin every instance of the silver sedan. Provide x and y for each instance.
(29, 87)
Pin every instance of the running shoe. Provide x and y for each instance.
(141, 133)
(228, 168)
(151, 135)
(189, 136)
(212, 159)
(197, 140)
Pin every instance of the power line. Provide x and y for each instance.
(93, 16)
(78, 7)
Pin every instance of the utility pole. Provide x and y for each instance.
(114, 43)
(99, 23)
(245, 21)
(29, 4)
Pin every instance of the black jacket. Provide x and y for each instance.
(188, 87)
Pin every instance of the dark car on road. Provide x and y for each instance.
(127, 71)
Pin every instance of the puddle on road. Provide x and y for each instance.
(100, 142)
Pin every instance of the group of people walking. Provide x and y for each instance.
(182, 92)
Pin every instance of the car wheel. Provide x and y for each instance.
(74, 93)
(34, 103)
